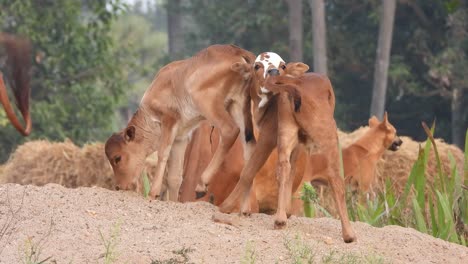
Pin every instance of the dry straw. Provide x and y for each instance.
(41, 162)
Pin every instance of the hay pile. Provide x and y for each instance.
(41, 162)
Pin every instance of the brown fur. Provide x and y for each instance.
(18, 50)
(206, 86)
(360, 158)
(282, 120)
(204, 142)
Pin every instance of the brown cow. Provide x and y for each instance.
(200, 150)
(18, 50)
(361, 157)
(264, 197)
(285, 119)
(182, 94)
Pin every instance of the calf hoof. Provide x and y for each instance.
(225, 209)
(200, 195)
(349, 238)
(153, 196)
(246, 214)
(200, 190)
(280, 224)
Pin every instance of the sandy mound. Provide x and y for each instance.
(66, 224)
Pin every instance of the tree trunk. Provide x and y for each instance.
(458, 126)
(295, 30)
(174, 29)
(319, 35)
(383, 58)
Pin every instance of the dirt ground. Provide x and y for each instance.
(81, 225)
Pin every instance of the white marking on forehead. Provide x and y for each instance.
(267, 59)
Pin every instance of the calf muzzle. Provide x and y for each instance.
(273, 72)
(395, 144)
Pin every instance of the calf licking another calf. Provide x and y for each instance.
(291, 108)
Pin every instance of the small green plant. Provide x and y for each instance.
(183, 252)
(32, 252)
(146, 184)
(298, 251)
(250, 256)
(110, 244)
(310, 198)
(335, 256)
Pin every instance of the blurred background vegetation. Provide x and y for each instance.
(93, 59)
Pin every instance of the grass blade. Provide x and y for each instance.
(420, 222)
(146, 184)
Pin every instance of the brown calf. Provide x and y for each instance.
(182, 94)
(303, 114)
(361, 157)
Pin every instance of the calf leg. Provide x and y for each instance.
(176, 168)
(294, 156)
(228, 134)
(169, 127)
(287, 143)
(265, 145)
(337, 185)
(243, 118)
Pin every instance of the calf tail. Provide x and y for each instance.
(278, 84)
(18, 51)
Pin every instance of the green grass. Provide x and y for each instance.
(250, 255)
(32, 252)
(298, 251)
(110, 243)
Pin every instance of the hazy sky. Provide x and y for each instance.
(144, 3)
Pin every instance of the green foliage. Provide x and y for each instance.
(145, 48)
(253, 25)
(76, 79)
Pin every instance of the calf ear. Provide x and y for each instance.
(129, 133)
(242, 68)
(385, 121)
(373, 122)
(296, 69)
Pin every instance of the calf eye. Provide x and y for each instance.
(257, 67)
(117, 159)
(283, 67)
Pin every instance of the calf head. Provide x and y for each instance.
(125, 153)
(270, 64)
(391, 141)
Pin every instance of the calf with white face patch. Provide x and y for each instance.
(267, 63)
(278, 90)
